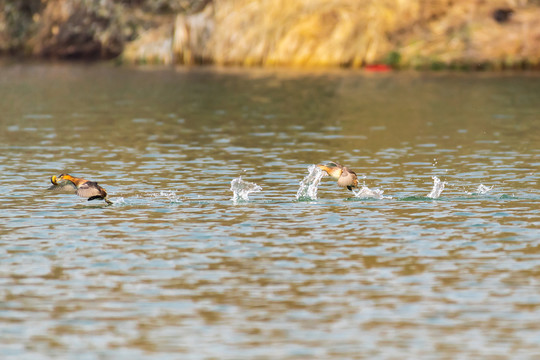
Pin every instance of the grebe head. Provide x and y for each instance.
(332, 168)
(58, 180)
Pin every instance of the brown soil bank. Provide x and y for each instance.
(349, 33)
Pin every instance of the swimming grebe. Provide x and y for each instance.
(345, 177)
(83, 188)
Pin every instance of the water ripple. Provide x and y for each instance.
(304, 269)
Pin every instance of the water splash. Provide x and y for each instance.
(481, 190)
(438, 187)
(169, 195)
(241, 189)
(310, 184)
(118, 201)
(367, 193)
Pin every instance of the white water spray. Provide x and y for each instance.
(367, 193)
(118, 201)
(168, 194)
(310, 184)
(481, 190)
(438, 187)
(241, 189)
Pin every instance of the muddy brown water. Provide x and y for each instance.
(175, 269)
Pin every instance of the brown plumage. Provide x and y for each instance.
(83, 188)
(345, 177)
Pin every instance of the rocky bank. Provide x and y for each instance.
(307, 33)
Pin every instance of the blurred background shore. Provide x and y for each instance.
(419, 34)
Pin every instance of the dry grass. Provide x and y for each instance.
(307, 32)
(408, 33)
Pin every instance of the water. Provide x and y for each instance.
(310, 184)
(438, 188)
(481, 190)
(175, 269)
(366, 193)
(241, 189)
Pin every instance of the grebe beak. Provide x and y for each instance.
(324, 168)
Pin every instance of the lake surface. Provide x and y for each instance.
(177, 269)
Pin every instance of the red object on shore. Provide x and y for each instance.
(378, 68)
